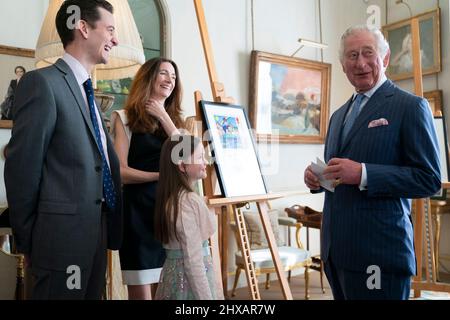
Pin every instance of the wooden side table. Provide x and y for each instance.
(310, 219)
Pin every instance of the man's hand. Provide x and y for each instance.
(311, 180)
(343, 171)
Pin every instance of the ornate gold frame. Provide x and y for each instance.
(324, 69)
(437, 66)
(13, 51)
(19, 52)
(435, 100)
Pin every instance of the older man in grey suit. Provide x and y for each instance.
(61, 173)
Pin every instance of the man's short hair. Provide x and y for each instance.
(382, 44)
(88, 12)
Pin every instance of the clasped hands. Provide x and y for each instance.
(342, 171)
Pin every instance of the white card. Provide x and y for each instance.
(318, 169)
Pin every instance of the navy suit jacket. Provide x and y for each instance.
(373, 227)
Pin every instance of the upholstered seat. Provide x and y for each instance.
(11, 273)
(310, 218)
(291, 257)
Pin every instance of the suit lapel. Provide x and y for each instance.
(375, 103)
(75, 89)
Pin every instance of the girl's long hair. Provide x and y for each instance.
(172, 182)
(141, 90)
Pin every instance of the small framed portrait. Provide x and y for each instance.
(400, 41)
(435, 101)
(12, 59)
(289, 97)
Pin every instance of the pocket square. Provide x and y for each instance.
(377, 123)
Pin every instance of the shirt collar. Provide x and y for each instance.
(81, 74)
(370, 92)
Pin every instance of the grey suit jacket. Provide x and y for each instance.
(53, 172)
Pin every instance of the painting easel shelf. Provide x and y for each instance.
(220, 201)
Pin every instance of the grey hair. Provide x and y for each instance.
(382, 44)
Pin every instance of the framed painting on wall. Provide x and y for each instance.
(119, 88)
(435, 101)
(289, 97)
(400, 41)
(10, 58)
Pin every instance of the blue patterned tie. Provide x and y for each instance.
(353, 115)
(108, 186)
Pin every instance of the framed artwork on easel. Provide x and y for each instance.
(399, 36)
(439, 123)
(233, 150)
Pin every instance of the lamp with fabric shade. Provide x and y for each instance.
(124, 59)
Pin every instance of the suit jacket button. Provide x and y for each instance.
(98, 201)
(98, 168)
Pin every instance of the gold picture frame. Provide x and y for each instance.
(435, 101)
(398, 35)
(289, 97)
(10, 57)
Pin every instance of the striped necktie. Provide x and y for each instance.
(353, 115)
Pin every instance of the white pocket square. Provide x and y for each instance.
(377, 123)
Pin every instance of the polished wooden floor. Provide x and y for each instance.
(297, 285)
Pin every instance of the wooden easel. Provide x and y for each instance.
(423, 208)
(223, 206)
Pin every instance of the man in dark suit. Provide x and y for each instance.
(381, 150)
(61, 173)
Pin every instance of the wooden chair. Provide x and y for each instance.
(291, 257)
(309, 218)
(438, 209)
(11, 273)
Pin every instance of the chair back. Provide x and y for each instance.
(11, 273)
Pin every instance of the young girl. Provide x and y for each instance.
(184, 224)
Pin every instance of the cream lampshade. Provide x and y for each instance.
(125, 59)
